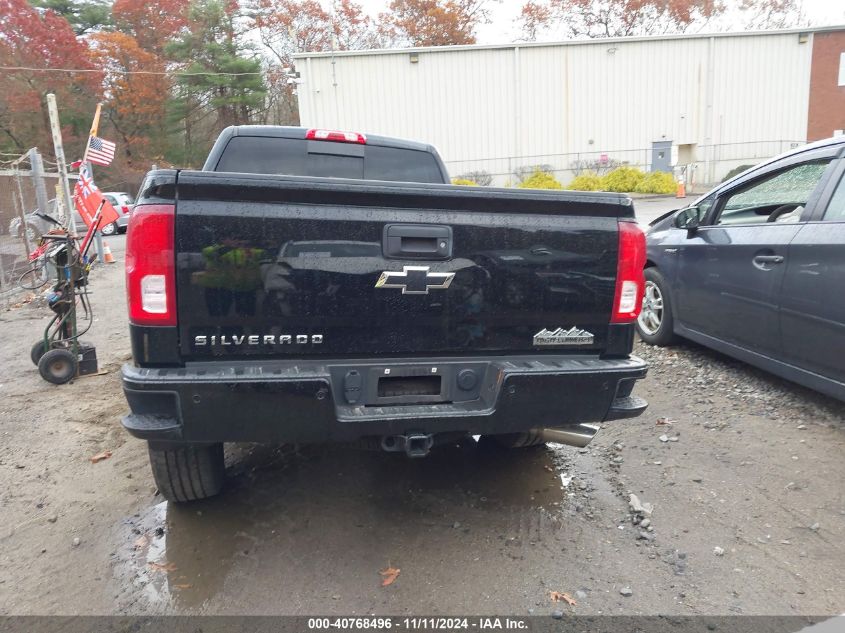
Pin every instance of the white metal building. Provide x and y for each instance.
(711, 101)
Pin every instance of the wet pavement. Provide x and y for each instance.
(320, 524)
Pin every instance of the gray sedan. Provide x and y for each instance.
(755, 269)
(122, 203)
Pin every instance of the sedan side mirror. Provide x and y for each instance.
(689, 219)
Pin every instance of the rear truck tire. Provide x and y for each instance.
(528, 439)
(37, 351)
(187, 472)
(58, 366)
(656, 322)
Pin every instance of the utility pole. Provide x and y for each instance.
(58, 147)
(37, 175)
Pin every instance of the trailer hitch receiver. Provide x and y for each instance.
(413, 444)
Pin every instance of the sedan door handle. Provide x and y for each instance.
(768, 259)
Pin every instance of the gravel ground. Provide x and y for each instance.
(739, 506)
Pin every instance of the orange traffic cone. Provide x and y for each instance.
(107, 256)
(681, 191)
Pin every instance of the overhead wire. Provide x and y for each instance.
(74, 71)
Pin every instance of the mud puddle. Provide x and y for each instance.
(322, 506)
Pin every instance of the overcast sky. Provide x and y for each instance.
(503, 28)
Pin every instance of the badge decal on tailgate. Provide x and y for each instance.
(415, 280)
(572, 336)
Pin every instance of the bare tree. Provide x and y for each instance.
(620, 18)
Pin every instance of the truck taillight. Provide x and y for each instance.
(630, 282)
(336, 136)
(150, 265)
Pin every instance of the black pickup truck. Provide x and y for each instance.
(313, 286)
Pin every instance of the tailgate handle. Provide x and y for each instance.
(417, 241)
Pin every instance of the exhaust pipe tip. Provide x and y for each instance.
(578, 435)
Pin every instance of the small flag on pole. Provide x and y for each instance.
(100, 151)
(87, 198)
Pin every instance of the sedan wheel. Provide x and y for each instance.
(656, 321)
(651, 315)
(109, 229)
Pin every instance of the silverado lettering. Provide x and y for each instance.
(256, 339)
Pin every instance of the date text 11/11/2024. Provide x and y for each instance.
(417, 623)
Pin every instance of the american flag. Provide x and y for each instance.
(100, 151)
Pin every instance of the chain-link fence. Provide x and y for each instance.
(25, 189)
(700, 165)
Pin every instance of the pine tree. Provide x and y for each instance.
(219, 74)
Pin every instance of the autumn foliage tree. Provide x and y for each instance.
(353, 29)
(293, 26)
(153, 23)
(290, 26)
(433, 22)
(136, 90)
(286, 27)
(30, 41)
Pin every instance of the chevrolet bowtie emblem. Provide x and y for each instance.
(415, 280)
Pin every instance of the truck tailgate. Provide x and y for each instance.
(275, 267)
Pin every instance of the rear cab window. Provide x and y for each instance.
(300, 157)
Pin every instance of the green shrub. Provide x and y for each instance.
(657, 182)
(586, 181)
(623, 179)
(540, 180)
(523, 172)
(464, 182)
(736, 171)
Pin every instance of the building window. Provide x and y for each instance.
(842, 69)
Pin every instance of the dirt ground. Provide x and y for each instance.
(747, 494)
